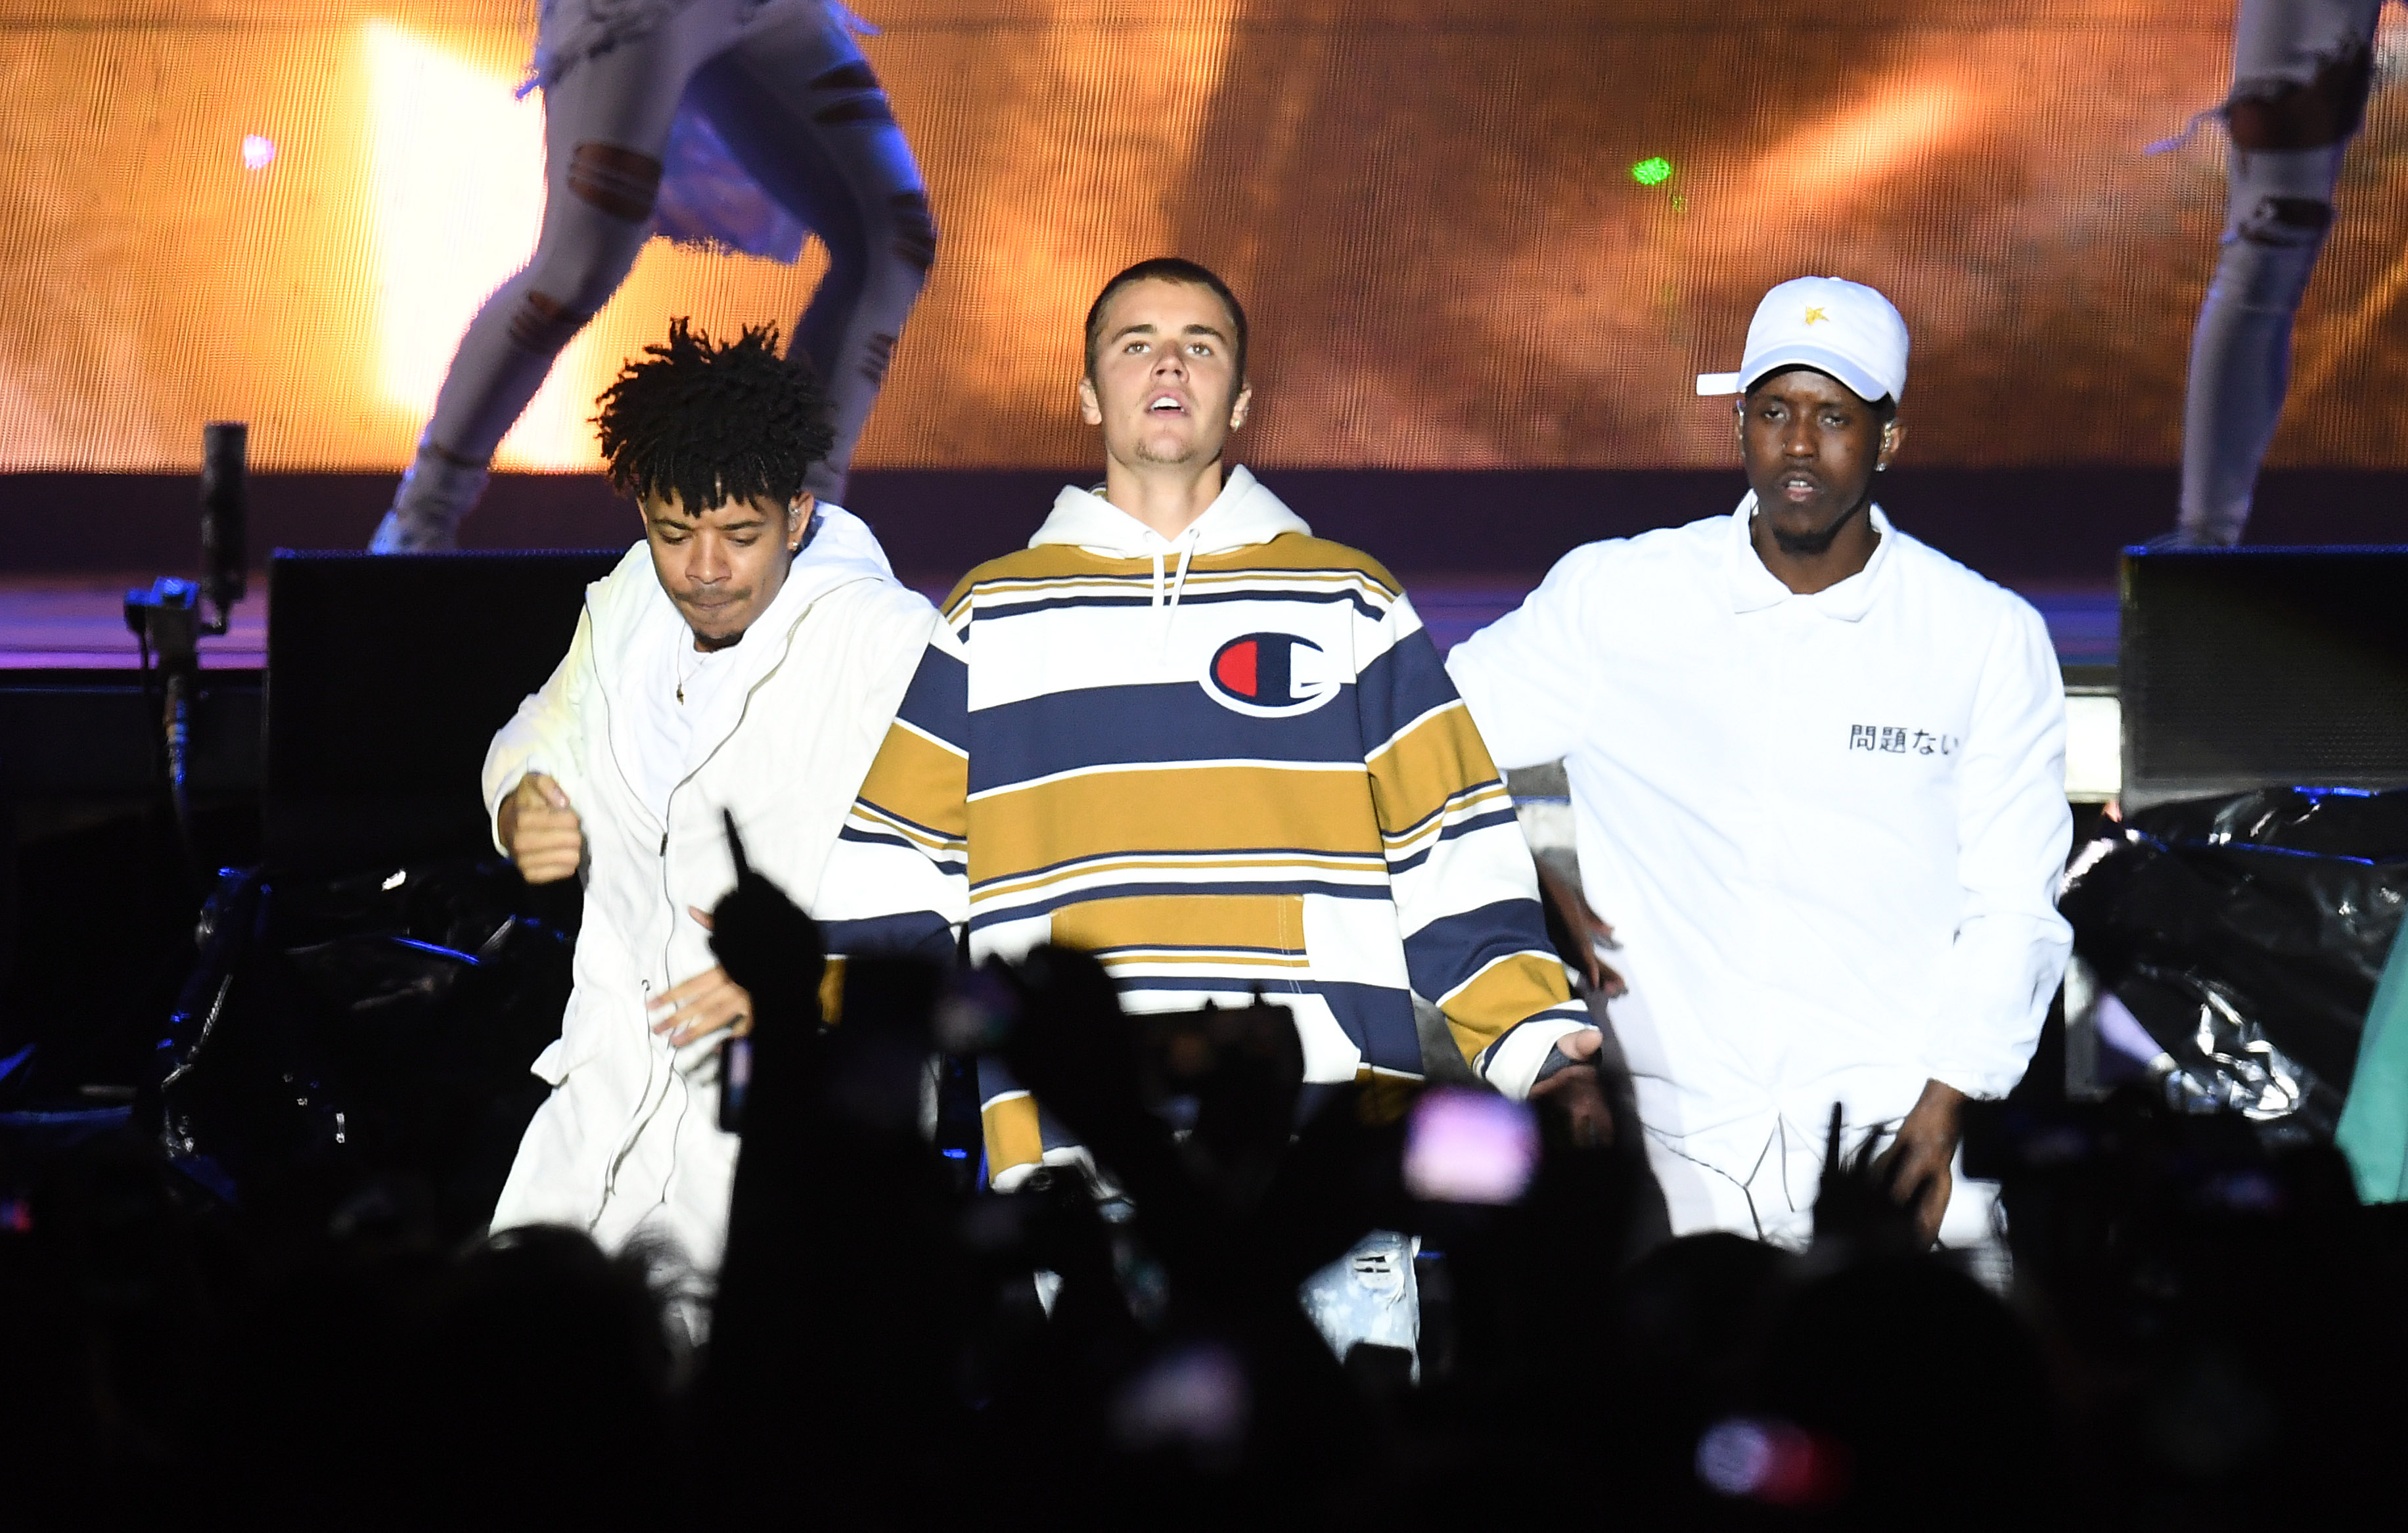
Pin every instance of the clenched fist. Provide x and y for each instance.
(542, 832)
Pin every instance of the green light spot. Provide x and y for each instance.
(1653, 171)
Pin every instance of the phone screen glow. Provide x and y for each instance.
(1470, 1147)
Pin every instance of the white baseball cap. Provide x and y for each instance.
(1835, 326)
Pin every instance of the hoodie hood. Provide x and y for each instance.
(841, 550)
(1243, 514)
(630, 609)
(638, 631)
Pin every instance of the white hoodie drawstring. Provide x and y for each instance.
(1169, 609)
(1186, 553)
(1242, 515)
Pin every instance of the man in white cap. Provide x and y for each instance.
(1817, 776)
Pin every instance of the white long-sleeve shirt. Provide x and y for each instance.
(1827, 829)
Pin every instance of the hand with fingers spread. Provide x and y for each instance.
(540, 830)
(708, 1003)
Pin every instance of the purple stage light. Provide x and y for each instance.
(257, 152)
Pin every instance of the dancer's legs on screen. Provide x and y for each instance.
(798, 106)
(2301, 73)
(606, 123)
(792, 95)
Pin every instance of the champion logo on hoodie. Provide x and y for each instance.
(1271, 676)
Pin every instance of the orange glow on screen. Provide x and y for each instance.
(1853, 149)
(452, 157)
(1424, 204)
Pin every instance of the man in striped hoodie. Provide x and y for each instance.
(1180, 732)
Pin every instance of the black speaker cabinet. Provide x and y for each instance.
(387, 676)
(2244, 668)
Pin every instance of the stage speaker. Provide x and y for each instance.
(2244, 668)
(387, 676)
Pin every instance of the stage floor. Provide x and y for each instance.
(76, 623)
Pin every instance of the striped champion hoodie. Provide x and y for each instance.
(1223, 762)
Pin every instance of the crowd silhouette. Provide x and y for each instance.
(2202, 1330)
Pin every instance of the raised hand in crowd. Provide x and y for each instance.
(1862, 1208)
(768, 948)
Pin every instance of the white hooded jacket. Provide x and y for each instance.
(629, 1136)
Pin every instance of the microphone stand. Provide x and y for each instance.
(168, 622)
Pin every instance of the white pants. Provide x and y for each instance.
(630, 1160)
(1759, 1179)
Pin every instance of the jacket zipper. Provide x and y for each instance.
(628, 1145)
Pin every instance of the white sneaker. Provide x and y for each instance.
(435, 493)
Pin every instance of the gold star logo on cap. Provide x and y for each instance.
(1814, 314)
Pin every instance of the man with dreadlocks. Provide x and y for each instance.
(747, 657)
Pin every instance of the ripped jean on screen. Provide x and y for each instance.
(667, 131)
(2302, 70)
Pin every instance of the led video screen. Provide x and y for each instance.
(1471, 234)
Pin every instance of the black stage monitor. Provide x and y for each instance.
(2244, 667)
(387, 675)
